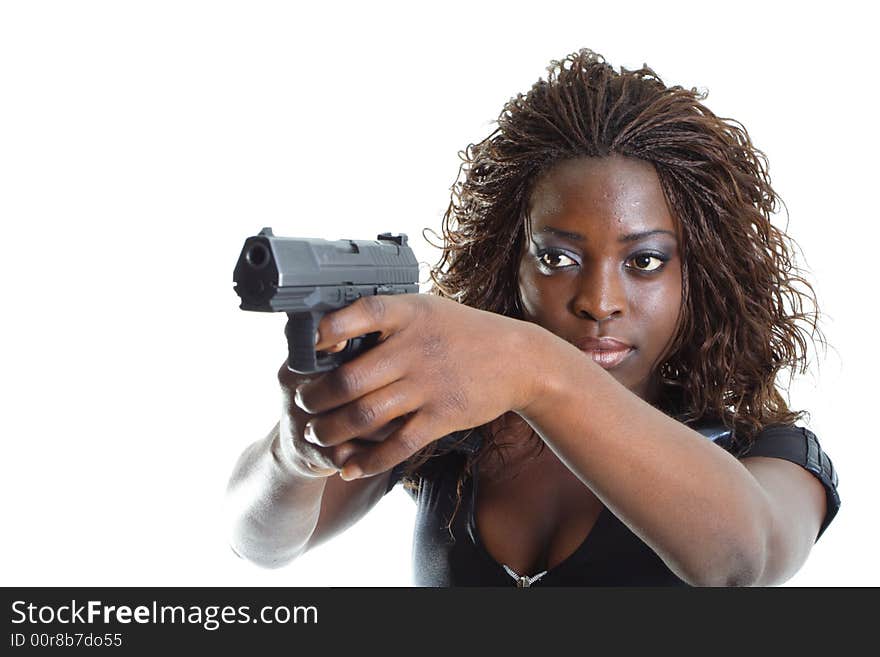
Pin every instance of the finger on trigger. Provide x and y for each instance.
(369, 314)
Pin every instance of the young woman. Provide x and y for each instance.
(588, 395)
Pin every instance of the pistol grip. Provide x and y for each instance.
(302, 357)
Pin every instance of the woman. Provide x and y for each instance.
(612, 289)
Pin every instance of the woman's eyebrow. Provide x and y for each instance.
(577, 237)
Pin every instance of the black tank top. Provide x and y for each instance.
(611, 554)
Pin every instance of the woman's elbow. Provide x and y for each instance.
(739, 568)
(262, 555)
(253, 539)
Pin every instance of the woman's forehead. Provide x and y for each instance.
(613, 193)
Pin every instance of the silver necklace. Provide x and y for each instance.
(523, 581)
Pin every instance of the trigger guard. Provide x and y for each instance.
(332, 360)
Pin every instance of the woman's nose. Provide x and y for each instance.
(601, 293)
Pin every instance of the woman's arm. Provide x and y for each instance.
(284, 495)
(701, 510)
(277, 513)
(272, 508)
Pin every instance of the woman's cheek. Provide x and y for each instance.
(533, 301)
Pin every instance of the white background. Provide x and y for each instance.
(141, 142)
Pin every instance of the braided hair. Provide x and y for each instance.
(746, 307)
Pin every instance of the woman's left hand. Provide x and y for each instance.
(439, 367)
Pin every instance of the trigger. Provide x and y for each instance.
(335, 349)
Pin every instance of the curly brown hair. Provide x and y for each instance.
(742, 312)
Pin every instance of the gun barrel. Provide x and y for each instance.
(257, 255)
(283, 273)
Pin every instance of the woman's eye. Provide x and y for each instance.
(555, 260)
(647, 262)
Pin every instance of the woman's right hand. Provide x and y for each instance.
(309, 459)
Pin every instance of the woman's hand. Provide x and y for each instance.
(307, 458)
(439, 367)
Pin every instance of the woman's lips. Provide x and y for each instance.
(608, 358)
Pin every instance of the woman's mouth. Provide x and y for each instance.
(608, 358)
(607, 351)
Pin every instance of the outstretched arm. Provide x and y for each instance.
(714, 520)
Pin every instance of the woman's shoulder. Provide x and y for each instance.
(791, 442)
(794, 443)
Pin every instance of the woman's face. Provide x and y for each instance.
(602, 261)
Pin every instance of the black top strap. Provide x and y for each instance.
(800, 445)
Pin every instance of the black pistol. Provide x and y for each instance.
(307, 278)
